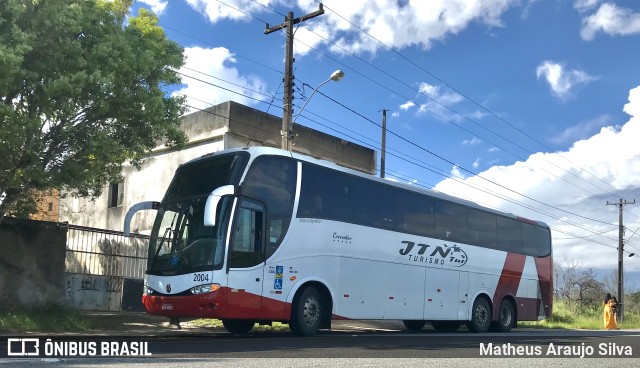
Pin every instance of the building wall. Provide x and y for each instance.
(48, 206)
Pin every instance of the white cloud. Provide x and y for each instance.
(201, 63)
(216, 11)
(157, 6)
(585, 5)
(612, 20)
(395, 114)
(493, 149)
(396, 23)
(612, 155)
(581, 130)
(476, 163)
(455, 171)
(472, 141)
(407, 105)
(562, 80)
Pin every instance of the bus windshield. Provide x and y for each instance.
(179, 242)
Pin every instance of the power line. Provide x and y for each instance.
(476, 104)
(460, 166)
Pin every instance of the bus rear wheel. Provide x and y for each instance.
(306, 314)
(413, 325)
(480, 316)
(238, 326)
(506, 317)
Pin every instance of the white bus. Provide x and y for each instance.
(258, 235)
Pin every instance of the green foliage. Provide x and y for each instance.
(81, 92)
(53, 318)
(571, 314)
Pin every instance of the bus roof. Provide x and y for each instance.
(270, 151)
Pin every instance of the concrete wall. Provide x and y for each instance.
(94, 293)
(263, 129)
(32, 257)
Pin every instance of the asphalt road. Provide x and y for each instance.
(362, 345)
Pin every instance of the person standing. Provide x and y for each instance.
(610, 318)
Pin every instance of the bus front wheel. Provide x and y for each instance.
(480, 316)
(238, 326)
(306, 314)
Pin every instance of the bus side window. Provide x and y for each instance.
(451, 221)
(246, 246)
(482, 228)
(509, 235)
(536, 240)
(415, 213)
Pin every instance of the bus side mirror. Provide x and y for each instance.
(135, 208)
(212, 203)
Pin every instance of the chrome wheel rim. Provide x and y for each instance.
(311, 312)
(481, 315)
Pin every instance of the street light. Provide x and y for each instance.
(335, 76)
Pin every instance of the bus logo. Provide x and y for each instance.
(435, 255)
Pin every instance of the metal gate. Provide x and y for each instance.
(104, 252)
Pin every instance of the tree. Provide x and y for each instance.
(82, 90)
(574, 281)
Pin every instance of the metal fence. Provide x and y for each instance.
(105, 252)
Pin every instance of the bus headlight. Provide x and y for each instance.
(148, 290)
(203, 289)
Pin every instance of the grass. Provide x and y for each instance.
(216, 323)
(52, 318)
(571, 315)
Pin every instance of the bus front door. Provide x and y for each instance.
(246, 262)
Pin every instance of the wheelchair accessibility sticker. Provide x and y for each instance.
(277, 283)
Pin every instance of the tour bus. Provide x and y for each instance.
(258, 235)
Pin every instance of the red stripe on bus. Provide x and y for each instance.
(545, 281)
(509, 279)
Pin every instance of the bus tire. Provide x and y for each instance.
(445, 326)
(414, 325)
(480, 316)
(306, 314)
(238, 326)
(506, 317)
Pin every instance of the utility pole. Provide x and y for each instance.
(287, 105)
(620, 205)
(384, 142)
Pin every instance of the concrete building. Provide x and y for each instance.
(227, 125)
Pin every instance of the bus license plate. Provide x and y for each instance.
(166, 306)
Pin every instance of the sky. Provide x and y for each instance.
(530, 107)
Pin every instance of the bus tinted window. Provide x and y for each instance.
(509, 235)
(203, 176)
(482, 228)
(415, 213)
(372, 204)
(272, 180)
(451, 221)
(325, 194)
(536, 240)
